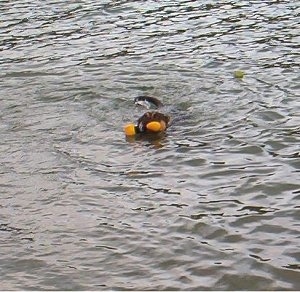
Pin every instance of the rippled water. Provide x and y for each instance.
(214, 204)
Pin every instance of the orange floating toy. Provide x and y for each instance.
(150, 122)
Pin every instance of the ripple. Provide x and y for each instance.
(212, 204)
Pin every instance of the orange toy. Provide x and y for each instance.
(150, 122)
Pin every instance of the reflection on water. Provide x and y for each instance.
(211, 204)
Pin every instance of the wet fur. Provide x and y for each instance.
(151, 116)
(148, 99)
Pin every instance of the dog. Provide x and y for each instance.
(150, 122)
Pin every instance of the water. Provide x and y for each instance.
(213, 204)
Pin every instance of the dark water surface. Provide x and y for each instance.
(214, 204)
